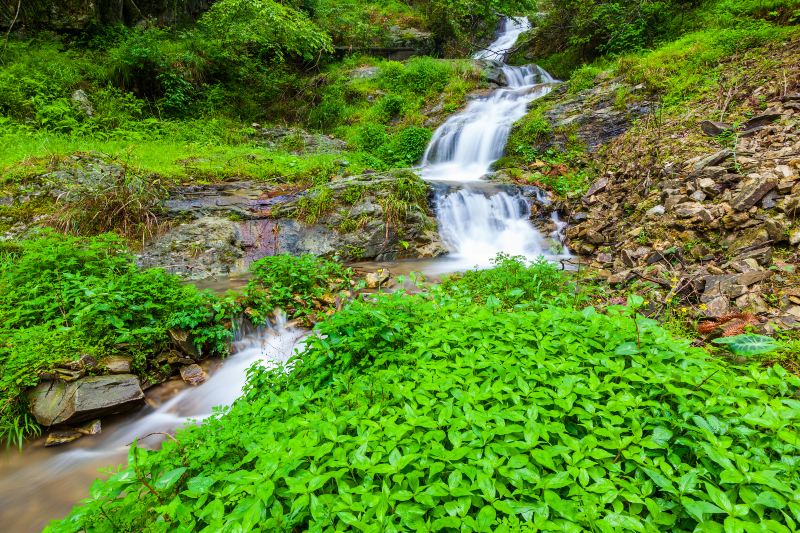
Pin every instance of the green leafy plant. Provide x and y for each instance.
(303, 287)
(748, 344)
(456, 410)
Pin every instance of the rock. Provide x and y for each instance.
(655, 211)
(786, 172)
(707, 185)
(185, 343)
(760, 121)
(710, 161)
(85, 362)
(93, 427)
(377, 279)
(605, 258)
(717, 307)
(692, 209)
(117, 364)
(619, 278)
(193, 374)
(57, 437)
(794, 237)
(753, 277)
(56, 402)
(595, 237)
(713, 129)
(698, 196)
(762, 255)
(791, 206)
(672, 201)
(81, 100)
(752, 191)
(596, 187)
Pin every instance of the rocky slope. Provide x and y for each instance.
(698, 206)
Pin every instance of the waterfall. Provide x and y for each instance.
(477, 223)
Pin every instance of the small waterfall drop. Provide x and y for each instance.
(476, 222)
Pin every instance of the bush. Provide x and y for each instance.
(302, 287)
(433, 412)
(406, 147)
(62, 297)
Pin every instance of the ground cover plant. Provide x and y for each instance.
(443, 411)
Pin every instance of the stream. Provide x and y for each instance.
(477, 220)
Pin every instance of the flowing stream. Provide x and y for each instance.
(477, 220)
(40, 484)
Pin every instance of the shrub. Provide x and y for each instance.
(302, 287)
(62, 297)
(406, 147)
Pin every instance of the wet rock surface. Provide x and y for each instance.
(59, 402)
(221, 229)
(597, 115)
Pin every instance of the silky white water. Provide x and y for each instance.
(477, 223)
(41, 484)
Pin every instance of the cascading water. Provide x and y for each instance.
(477, 223)
(41, 484)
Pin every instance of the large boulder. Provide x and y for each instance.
(57, 402)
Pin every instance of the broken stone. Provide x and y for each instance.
(85, 362)
(595, 237)
(57, 437)
(673, 201)
(794, 237)
(717, 307)
(753, 191)
(698, 196)
(117, 364)
(92, 427)
(655, 211)
(185, 343)
(753, 277)
(56, 402)
(377, 279)
(597, 186)
(760, 121)
(707, 184)
(193, 374)
(713, 129)
(711, 160)
(619, 278)
(785, 172)
(762, 255)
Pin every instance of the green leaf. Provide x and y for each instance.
(486, 518)
(748, 344)
(168, 479)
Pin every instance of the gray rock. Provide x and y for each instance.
(717, 307)
(713, 129)
(752, 192)
(117, 364)
(655, 211)
(711, 160)
(760, 121)
(56, 402)
(193, 374)
(81, 100)
(596, 187)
